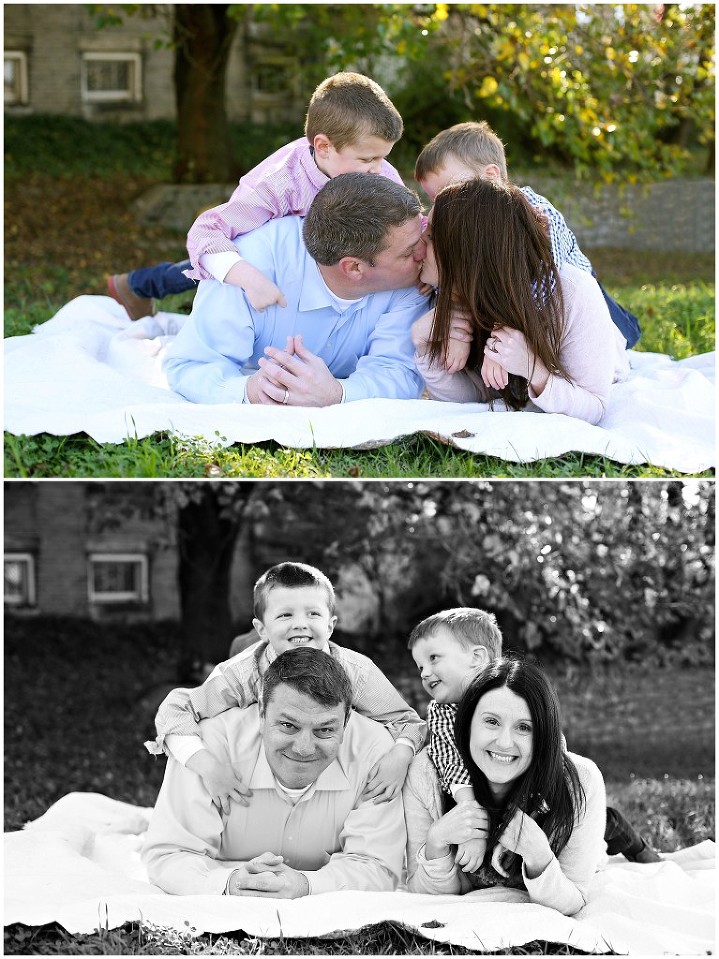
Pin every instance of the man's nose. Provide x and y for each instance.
(420, 251)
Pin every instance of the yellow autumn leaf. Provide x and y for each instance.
(610, 53)
(488, 87)
(441, 12)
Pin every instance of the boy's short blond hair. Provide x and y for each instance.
(469, 625)
(474, 143)
(349, 106)
(290, 576)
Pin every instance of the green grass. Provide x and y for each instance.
(80, 698)
(62, 176)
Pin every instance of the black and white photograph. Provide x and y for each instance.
(197, 677)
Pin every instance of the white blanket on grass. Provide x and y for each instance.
(90, 370)
(78, 865)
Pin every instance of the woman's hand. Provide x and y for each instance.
(509, 349)
(523, 836)
(468, 820)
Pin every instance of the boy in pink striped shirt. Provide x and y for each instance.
(351, 126)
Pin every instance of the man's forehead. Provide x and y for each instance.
(287, 702)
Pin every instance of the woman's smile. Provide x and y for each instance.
(501, 740)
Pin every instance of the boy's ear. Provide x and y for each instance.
(322, 144)
(333, 623)
(492, 172)
(260, 628)
(481, 656)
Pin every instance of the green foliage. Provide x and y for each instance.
(622, 90)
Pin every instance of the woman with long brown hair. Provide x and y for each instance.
(538, 337)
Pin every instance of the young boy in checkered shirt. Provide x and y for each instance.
(294, 607)
(449, 648)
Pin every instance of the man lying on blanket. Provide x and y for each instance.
(348, 272)
(306, 827)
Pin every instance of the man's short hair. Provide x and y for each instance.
(470, 627)
(312, 672)
(352, 215)
(475, 144)
(349, 106)
(291, 576)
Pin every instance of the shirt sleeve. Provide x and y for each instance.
(564, 884)
(442, 747)
(565, 248)
(206, 360)
(387, 368)
(422, 807)
(376, 698)
(214, 230)
(462, 387)
(588, 353)
(232, 683)
(184, 837)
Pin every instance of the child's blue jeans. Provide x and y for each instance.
(161, 280)
(627, 322)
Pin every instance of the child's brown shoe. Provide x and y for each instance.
(136, 306)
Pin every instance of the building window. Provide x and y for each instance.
(15, 77)
(118, 578)
(19, 579)
(111, 77)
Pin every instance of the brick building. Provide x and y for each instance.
(59, 61)
(59, 560)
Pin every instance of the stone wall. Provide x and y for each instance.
(667, 216)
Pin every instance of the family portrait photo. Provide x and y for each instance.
(359, 498)
(340, 718)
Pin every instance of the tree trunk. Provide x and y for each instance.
(203, 35)
(206, 544)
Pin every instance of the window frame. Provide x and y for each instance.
(30, 598)
(138, 597)
(134, 92)
(22, 99)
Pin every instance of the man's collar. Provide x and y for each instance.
(316, 295)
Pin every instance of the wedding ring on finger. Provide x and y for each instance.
(492, 345)
(286, 397)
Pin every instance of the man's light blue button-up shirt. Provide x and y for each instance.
(367, 347)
